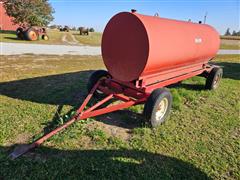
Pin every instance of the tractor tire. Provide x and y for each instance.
(31, 34)
(20, 33)
(94, 78)
(45, 37)
(157, 107)
(214, 78)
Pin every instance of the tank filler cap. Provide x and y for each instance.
(133, 10)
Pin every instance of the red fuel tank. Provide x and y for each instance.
(135, 45)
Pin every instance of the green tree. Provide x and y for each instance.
(234, 33)
(92, 30)
(227, 33)
(30, 12)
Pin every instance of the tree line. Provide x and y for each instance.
(29, 12)
(54, 26)
(234, 33)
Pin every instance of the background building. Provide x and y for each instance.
(6, 21)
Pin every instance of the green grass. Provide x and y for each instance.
(230, 46)
(200, 139)
(228, 43)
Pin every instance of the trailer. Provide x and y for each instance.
(143, 55)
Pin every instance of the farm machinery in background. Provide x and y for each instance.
(32, 33)
(64, 29)
(84, 31)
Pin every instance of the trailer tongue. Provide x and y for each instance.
(81, 114)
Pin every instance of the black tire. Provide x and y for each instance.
(19, 33)
(151, 108)
(94, 78)
(45, 37)
(213, 79)
(31, 34)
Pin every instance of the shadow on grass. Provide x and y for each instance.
(123, 118)
(62, 89)
(70, 88)
(230, 70)
(49, 163)
(7, 32)
(13, 38)
(196, 87)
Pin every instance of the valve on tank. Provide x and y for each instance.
(133, 10)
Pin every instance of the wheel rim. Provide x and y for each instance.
(98, 91)
(161, 109)
(216, 80)
(33, 35)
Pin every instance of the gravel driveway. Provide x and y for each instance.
(20, 48)
(226, 51)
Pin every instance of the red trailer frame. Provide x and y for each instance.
(129, 94)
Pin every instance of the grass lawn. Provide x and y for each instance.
(230, 42)
(200, 140)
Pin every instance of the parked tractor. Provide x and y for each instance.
(32, 33)
(84, 31)
(65, 29)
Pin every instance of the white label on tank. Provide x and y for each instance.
(198, 40)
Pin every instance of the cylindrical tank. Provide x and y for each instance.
(135, 45)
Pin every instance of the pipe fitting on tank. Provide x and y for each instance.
(133, 10)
